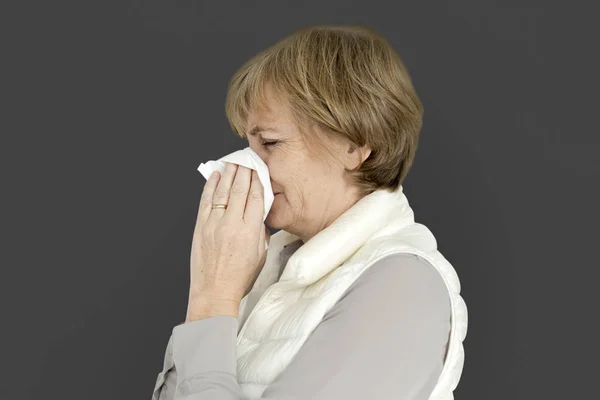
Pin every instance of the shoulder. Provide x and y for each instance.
(402, 265)
(393, 282)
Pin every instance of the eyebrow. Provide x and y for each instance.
(258, 129)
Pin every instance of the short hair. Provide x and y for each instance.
(348, 81)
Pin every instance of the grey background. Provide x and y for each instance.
(109, 108)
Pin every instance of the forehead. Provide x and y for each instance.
(274, 115)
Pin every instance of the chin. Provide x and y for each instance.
(274, 220)
(278, 217)
(271, 221)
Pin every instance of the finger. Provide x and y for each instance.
(207, 197)
(221, 193)
(255, 205)
(239, 193)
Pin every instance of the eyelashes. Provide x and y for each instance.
(270, 144)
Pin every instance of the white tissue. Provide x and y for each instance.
(249, 159)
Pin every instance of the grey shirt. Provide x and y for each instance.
(386, 338)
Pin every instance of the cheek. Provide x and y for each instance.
(288, 174)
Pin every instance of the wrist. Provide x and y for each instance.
(201, 307)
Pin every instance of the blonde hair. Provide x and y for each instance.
(349, 82)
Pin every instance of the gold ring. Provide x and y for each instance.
(219, 206)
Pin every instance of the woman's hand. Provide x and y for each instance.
(228, 247)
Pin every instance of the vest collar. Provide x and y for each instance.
(379, 213)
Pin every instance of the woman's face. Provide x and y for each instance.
(309, 193)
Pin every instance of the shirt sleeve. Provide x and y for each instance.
(385, 338)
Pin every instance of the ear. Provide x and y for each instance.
(360, 154)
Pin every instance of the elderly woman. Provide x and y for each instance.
(352, 299)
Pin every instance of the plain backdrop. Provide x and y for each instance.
(109, 108)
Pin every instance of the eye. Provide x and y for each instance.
(267, 144)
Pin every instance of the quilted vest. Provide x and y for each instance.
(285, 306)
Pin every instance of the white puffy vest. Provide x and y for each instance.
(282, 309)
